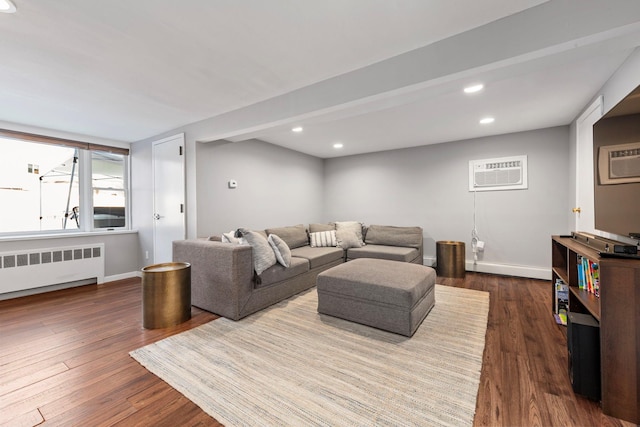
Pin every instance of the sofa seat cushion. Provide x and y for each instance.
(393, 253)
(278, 273)
(318, 256)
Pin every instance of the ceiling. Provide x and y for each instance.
(372, 74)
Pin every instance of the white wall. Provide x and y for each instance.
(428, 186)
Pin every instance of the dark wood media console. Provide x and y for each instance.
(618, 312)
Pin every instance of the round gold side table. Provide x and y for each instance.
(450, 259)
(166, 294)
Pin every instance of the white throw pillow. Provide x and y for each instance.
(354, 226)
(280, 249)
(348, 239)
(321, 239)
(229, 237)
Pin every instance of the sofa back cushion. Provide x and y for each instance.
(394, 236)
(316, 228)
(294, 236)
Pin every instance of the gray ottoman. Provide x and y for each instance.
(390, 295)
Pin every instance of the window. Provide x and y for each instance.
(109, 190)
(50, 187)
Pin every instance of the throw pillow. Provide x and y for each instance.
(321, 239)
(230, 238)
(280, 249)
(348, 239)
(353, 226)
(263, 256)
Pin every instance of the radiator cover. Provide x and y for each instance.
(35, 268)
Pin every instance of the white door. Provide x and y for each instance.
(584, 209)
(168, 196)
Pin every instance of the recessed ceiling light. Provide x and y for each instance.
(474, 88)
(487, 120)
(295, 129)
(7, 7)
(338, 145)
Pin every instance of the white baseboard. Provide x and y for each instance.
(34, 291)
(429, 261)
(502, 269)
(122, 276)
(510, 270)
(41, 290)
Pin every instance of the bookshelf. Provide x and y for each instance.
(617, 309)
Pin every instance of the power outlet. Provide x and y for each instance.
(146, 254)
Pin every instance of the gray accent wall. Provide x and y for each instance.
(428, 186)
(276, 186)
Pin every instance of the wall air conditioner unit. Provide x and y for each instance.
(619, 164)
(504, 173)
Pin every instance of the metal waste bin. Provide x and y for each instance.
(450, 259)
(166, 294)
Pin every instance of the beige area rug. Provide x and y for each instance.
(288, 365)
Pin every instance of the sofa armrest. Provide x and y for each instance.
(221, 274)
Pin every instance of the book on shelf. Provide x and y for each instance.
(561, 302)
(596, 278)
(588, 275)
(580, 272)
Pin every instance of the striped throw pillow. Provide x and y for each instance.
(323, 239)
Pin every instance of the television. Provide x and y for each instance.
(616, 151)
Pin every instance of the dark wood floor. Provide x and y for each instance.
(64, 361)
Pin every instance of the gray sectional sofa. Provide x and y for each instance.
(224, 281)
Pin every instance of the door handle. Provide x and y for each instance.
(157, 216)
(576, 210)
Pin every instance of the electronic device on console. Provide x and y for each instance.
(606, 247)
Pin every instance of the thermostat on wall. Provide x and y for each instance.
(233, 183)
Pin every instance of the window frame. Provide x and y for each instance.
(125, 188)
(84, 181)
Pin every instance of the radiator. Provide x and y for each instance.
(35, 268)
